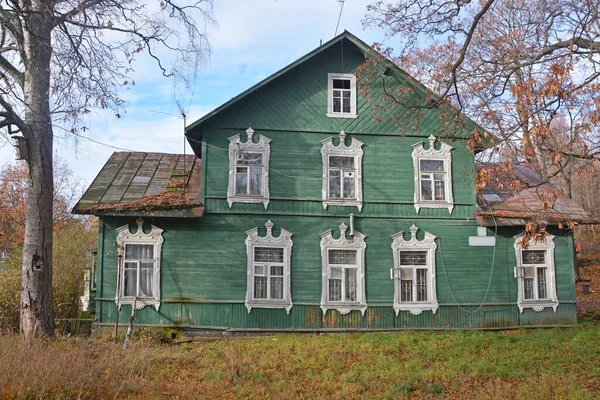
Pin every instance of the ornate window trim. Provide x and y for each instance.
(354, 150)
(353, 104)
(357, 242)
(427, 244)
(419, 153)
(284, 241)
(154, 237)
(236, 147)
(548, 246)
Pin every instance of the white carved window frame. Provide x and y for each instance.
(413, 244)
(154, 237)
(236, 146)
(354, 150)
(356, 242)
(284, 241)
(353, 104)
(548, 246)
(443, 154)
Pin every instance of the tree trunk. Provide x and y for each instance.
(37, 317)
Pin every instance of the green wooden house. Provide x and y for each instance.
(300, 210)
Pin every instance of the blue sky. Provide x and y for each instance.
(252, 40)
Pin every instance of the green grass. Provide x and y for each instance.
(533, 364)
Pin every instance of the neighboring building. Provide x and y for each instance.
(304, 212)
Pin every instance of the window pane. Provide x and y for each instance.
(336, 273)
(349, 188)
(432, 165)
(276, 270)
(533, 256)
(337, 104)
(528, 288)
(347, 257)
(413, 258)
(255, 181)
(334, 184)
(350, 284)
(259, 270)
(406, 290)
(139, 252)
(260, 287)
(346, 94)
(426, 190)
(268, 254)
(341, 162)
(541, 275)
(146, 275)
(421, 284)
(130, 282)
(249, 158)
(277, 288)
(241, 181)
(335, 289)
(341, 83)
(346, 104)
(337, 93)
(439, 190)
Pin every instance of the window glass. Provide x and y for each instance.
(342, 257)
(268, 254)
(533, 256)
(413, 258)
(432, 165)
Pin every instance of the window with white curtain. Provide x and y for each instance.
(433, 176)
(414, 272)
(139, 265)
(269, 269)
(342, 172)
(343, 266)
(249, 169)
(536, 274)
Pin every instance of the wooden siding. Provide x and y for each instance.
(296, 170)
(297, 101)
(203, 272)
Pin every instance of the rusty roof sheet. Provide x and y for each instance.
(136, 182)
(514, 194)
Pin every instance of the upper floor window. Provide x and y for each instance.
(343, 269)
(269, 268)
(342, 172)
(536, 274)
(139, 269)
(341, 95)
(414, 273)
(249, 169)
(433, 176)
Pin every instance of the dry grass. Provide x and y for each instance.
(533, 364)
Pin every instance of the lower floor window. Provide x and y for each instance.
(268, 273)
(342, 275)
(138, 273)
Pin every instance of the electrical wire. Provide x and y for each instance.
(339, 18)
(489, 280)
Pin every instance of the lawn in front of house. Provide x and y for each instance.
(538, 364)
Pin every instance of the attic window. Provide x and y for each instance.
(341, 96)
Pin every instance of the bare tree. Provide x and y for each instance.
(521, 68)
(59, 59)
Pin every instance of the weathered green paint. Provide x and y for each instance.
(204, 266)
(203, 276)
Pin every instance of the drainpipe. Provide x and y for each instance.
(351, 224)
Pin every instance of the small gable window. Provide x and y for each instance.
(139, 269)
(341, 96)
(343, 277)
(269, 268)
(249, 169)
(536, 274)
(414, 273)
(342, 172)
(433, 176)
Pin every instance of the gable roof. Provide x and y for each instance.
(195, 128)
(136, 183)
(513, 197)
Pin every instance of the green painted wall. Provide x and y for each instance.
(203, 270)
